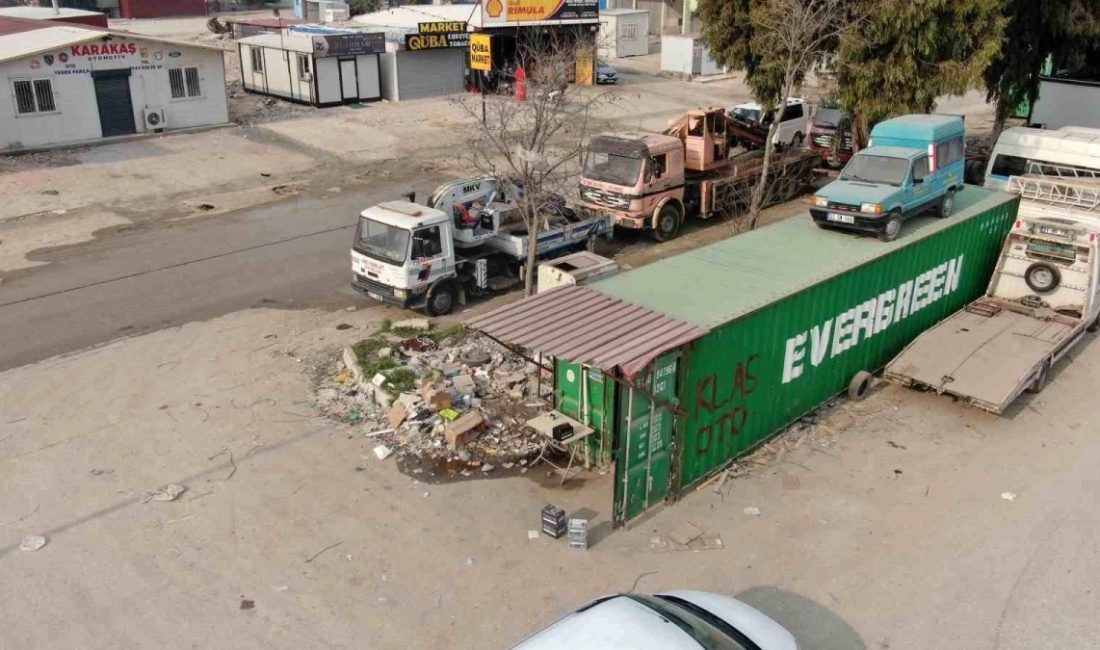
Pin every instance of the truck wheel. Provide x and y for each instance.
(441, 299)
(796, 141)
(860, 386)
(1042, 277)
(668, 223)
(892, 228)
(1041, 379)
(947, 205)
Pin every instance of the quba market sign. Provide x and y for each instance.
(438, 36)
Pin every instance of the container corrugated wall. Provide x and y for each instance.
(748, 379)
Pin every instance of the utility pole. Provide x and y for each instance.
(685, 20)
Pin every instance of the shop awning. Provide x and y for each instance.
(582, 325)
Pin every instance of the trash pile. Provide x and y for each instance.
(446, 396)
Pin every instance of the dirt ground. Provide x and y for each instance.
(885, 528)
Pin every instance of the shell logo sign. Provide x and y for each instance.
(539, 11)
(528, 10)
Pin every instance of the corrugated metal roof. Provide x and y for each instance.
(716, 284)
(585, 326)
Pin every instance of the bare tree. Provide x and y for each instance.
(790, 172)
(535, 146)
(791, 36)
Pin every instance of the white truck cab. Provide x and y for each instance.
(469, 240)
(400, 250)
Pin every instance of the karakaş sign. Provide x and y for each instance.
(538, 11)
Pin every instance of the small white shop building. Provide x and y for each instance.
(624, 32)
(71, 84)
(317, 69)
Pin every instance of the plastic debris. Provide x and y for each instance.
(752, 511)
(1008, 496)
(382, 452)
(532, 534)
(32, 543)
(169, 492)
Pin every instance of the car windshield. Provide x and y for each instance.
(612, 168)
(381, 241)
(705, 634)
(747, 114)
(875, 169)
(828, 117)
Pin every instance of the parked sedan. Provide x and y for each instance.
(687, 620)
(605, 74)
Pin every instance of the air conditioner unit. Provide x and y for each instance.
(306, 76)
(155, 119)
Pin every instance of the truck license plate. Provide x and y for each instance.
(374, 295)
(841, 218)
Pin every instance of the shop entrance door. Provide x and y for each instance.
(112, 97)
(349, 80)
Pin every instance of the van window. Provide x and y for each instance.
(792, 112)
(950, 152)
(920, 168)
(1005, 165)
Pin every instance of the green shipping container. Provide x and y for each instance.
(792, 314)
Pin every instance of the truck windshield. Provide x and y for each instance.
(381, 241)
(828, 117)
(611, 168)
(747, 114)
(875, 169)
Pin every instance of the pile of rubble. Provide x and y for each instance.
(449, 397)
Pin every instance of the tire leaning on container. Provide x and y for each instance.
(1042, 277)
(947, 205)
(668, 223)
(860, 385)
(441, 299)
(892, 229)
(1041, 379)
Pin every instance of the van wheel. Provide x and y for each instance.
(947, 205)
(668, 223)
(1041, 379)
(860, 385)
(1042, 277)
(892, 228)
(441, 299)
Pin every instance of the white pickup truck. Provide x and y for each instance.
(468, 241)
(1043, 296)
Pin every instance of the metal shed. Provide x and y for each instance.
(624, 32)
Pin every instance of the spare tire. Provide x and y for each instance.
(1042, 277)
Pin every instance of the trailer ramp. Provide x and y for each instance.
(984, 355)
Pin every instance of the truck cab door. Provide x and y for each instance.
(429, 256)
(919, 185)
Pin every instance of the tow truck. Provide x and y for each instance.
(468, 241)
(653, 181)
(1043, 297)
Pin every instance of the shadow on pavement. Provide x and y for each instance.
(814, 626)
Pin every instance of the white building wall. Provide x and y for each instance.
(370, 86)
(388, 63)
(1064, 103)
(76, 117)
(328, 80)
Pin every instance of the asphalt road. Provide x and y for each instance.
(290, 254)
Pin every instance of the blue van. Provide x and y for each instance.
(913, 163)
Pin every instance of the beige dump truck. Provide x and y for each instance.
(653, 181)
